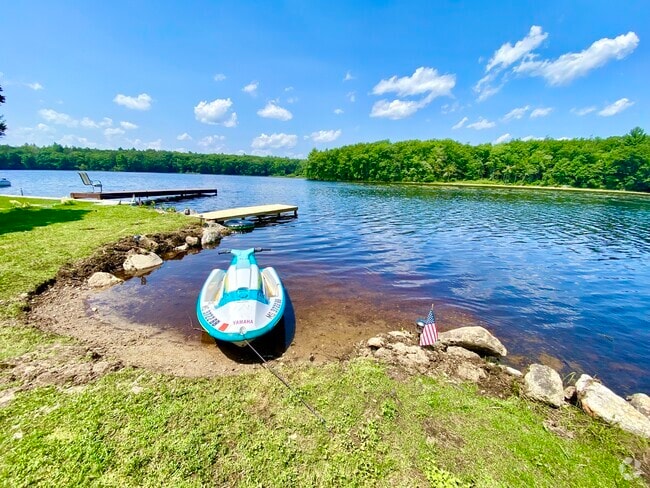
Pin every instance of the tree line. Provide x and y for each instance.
(616, 163)
(73, 158)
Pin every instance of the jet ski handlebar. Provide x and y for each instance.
(257, 249)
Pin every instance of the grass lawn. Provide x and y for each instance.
(138, 428)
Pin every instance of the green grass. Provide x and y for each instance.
(137, 428)
(37, 237)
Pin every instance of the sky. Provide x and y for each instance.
(284, 77)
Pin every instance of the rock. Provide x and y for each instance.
(470, 372)
(461, 352)
(192, 241)
(7, 396)
(512, 371)
(641, 402)
(182, 248)
(400, 334)
(210, 236)
(375, 342)
(103, 280)
(544, 384)
(476, 339)
(140, 262)
(410, 356)
(570, 394)
(383, 353)
(599, 401)
(147, 243)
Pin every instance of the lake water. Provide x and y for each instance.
(562, 277)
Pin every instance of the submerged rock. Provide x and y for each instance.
(102, 280)
(544, 384)
(475, 338)
(599, 401)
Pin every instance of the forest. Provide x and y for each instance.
(615, 163)
(74, 158)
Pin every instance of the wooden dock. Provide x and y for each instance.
(138, 194)
(241, 212)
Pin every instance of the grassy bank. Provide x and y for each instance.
(139, 428)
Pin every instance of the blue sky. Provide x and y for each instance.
(284, 77)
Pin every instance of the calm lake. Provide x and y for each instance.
(560, 277)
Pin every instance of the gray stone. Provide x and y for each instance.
(192, 241)
(102, 280)
(147, 243)
(570, 394)
(210, 236)
(400, 334)
(544, 384)
(470, 372)
(7, 396)
(461, 352)
(599, 401)
(475, 338)
(140, 262)
(182, 248)
(641, 402)
(383, 353)
(375, 342)
(512, 371)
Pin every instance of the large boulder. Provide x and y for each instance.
(599, 401)
(544, 384)
(141, 262)
(475, 339)
(641, 402)
(102, 280)
(210, 237)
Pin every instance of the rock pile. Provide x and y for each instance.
(469, 353)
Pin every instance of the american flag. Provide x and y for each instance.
(429, 334)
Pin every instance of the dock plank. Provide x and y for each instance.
(241, 212)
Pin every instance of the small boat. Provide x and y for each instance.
(4, 182)
(239, 224)
(241, 303)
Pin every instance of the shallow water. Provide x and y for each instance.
(553, 274)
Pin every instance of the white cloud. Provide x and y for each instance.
(348, 77)
(140, 144)
(532, 138)
(583, 111)
(516, 113)
(541, 112)
(338, 111)
(351, 96)
(617, 107)
(324, 135)
(113, 131)
(503, 58)
(57, 117)
(274, 141)
(212, 143)
(128, 125)
(184, 137)
(251, 88)
(481, 124)
(216, 112)
(35, 86)
(141, 102)
(424, 81)
(274, 111)
(508, 54)
(503, 138)
(71, 140)
(460, 123)
(219, 77)
(570, 66)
